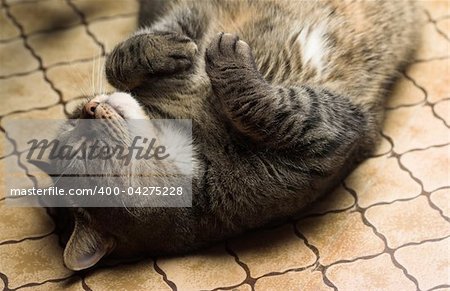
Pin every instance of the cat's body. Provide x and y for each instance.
(276, 123)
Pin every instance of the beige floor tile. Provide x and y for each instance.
(35, 130)
(18, 223)
(25, 93)
(337, 200)
(433, 45)
(434, 77)
(113, 31)
(381, 180)
(442, 109)
(6, 146)
(341, 236)
(80, 79)
(21, 180)
(71, 284)
(429, 262)
(275, 250)
(444, 26)
(405, 93)
(441, 199)
(22, 62)
(243, 287)
(437, 8)
(206, 269)
(51, 14)
(410, 132)
(383, 147)
(94, 9)
(429, 166)
(138, 276)
(8, 30)
(409, 221)
(64, 46)
(304, 280)
(378, 273)
(32, 261)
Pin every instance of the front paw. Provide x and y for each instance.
(150, 55)
(227, 51)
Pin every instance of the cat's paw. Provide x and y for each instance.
(149, 55)
(226, 50)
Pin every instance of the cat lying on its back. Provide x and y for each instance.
(283, 105)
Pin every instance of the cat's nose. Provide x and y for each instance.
(89, 108)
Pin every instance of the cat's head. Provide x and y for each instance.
(99, 231)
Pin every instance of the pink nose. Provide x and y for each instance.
(89, 108)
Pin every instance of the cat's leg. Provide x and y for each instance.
(167, 49)
(310, 118)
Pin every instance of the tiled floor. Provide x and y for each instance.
(387, 227)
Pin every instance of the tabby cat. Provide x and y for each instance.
(285, 98)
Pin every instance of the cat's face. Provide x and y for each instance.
(97, 232)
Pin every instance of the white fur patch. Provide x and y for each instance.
(313, 45)
(177, 142)
(124, 104)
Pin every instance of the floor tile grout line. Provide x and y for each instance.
(420, 88)
(11, 242)
(69, 26)
(21, 74)
(5, 281)
(424, 192)
(388, 250)
(431, 240)
(420, 149)
(164, 275)
(232, 287)
(434, 22)
(422, 102)
(86, 26)
(84, 284)
(30, 49)
(33, 284)
(318, 266)
(439, 287)
(437, 115)
(55, 65)
(31, 109)
(249, 279)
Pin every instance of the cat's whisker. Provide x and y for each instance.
(93, 78)
(79, 79)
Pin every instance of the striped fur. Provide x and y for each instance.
(283, 106)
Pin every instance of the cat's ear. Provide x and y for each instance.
(86, 247)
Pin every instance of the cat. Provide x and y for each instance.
(285, 97)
